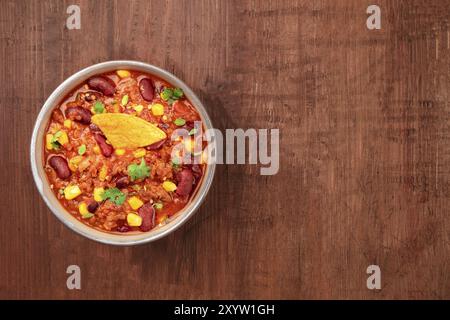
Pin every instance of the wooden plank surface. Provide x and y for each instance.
(364, 158)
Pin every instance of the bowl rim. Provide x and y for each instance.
(41, 182)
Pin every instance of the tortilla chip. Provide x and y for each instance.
(127, 131)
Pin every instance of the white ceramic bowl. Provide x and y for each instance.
(42, 183)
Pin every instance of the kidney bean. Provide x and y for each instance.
(197, 171)
(164, 126)
(92, 206)
(156, 145)
(90, 96)
(182, 110)
(188, 126)
(147, 213)
(147, 89)
(105, 148)
(74, 103)
(102, 84)
(78, 114)
(122, 182)
(185, 182)
(123, 228)
(59, 164)
(94, 128)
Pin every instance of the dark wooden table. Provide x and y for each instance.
(365, 148)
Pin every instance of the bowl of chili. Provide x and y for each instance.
(108, 152)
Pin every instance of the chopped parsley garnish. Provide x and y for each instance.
(176, 162)
(138, 171)
(178, 93)
(54, 142)
(81, 149)
(180, 122)
(166, 94)
(99, 107)
(193, 131)
(114, 195)
(158, 205)
(171, 95)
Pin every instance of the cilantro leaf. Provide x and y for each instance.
(176, 162)
(114, 195)
(55, 145)
(138, 171)
(177, 93)
(180, 122)
(81, 149)
(158, 205)
(99, 107)
(171, 95)
(166, 94)
(87, 215)
(54, 142)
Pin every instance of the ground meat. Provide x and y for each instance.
(156, 192)
(110, 215)
(57, 116)
(162, 170)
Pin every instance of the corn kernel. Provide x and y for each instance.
(48, 141)
(82, 208)
(102, 174)
(68, 123)
(169, 186)
(135, 202)
(98, 194)
(204, 156)
(134, 220)
(116, 108)
(74, 162)
(72, 167)
(157, 109)
(123, 73)
(189, 145)
(139, 153)
(96, 149)
(162, 219)
(125, 100)
(71, 192)
(164, 118)
(63, 139)
(138, 108)
(119, 152)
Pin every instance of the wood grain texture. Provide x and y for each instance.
(365, 148)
